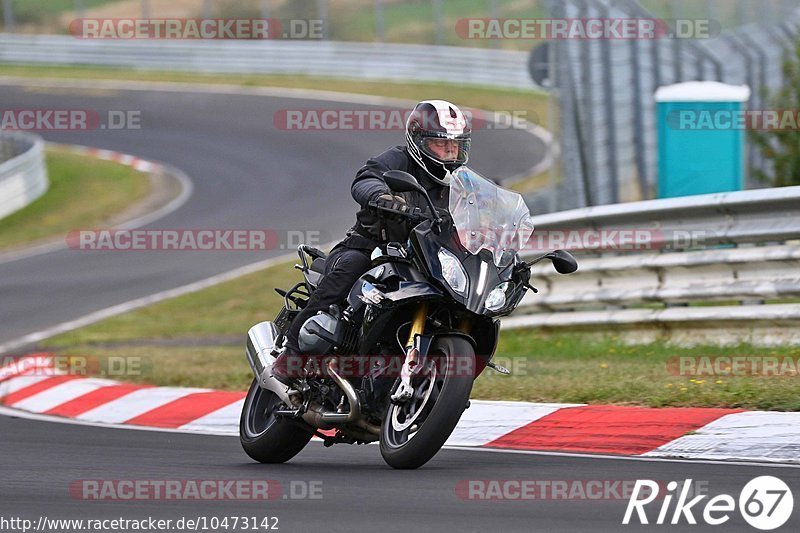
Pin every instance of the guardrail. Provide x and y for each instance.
(23, 174)
(710, 260)
(367, 61)
(758, 273)
(742, 217)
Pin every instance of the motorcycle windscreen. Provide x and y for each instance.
(488, 217)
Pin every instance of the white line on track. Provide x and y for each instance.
(118, 309)
(138, 303)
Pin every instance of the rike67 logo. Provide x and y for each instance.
(765, 503)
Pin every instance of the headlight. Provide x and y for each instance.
(497, 298)
(452, 271)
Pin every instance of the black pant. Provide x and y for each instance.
(342, 268)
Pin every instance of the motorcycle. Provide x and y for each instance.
(396, 364)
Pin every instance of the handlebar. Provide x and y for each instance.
(313, 252)
(413, 214)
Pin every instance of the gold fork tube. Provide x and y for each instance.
(418, 326)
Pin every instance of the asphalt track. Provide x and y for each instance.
(247, 174)
(356, 490)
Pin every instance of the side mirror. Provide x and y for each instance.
(563, 261)
(400, 181)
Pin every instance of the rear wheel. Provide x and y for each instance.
(412, 433)
(265, 437)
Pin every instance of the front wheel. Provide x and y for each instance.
(265, 437)
(412, 433)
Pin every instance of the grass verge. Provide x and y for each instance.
(352, 20)
(84, 193)
(44, 15)
(198, 339)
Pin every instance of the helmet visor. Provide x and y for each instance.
(446, 150)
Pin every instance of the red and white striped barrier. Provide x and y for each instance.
(32, 384)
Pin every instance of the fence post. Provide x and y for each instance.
(145, 9)
(756, 101)
(750, 79)
(711, 9)
(639, 131)
(380, 29)
(786, 7)
(741, 18)
(677, 45)
(572, 191)
(265, 9)
(583, 103)
(8, 16)
(493, 14)
(610, 114)
(655, 52)
(553, 103)
(438, 26)
(769, 12)
(322, 14)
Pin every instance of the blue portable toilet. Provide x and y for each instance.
(701, 138)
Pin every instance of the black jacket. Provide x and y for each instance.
(370, 230)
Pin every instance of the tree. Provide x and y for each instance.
(782, 147)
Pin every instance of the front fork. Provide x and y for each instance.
(417, 343)
(405, 391)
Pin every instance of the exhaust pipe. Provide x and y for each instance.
(324, 418)
(349, 392)
(260, 343)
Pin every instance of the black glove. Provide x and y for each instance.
(393, 202)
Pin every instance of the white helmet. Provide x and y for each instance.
(430, 126)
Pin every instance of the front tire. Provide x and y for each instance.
(265, 437)
(412, 433)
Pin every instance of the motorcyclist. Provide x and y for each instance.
(437, 142)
